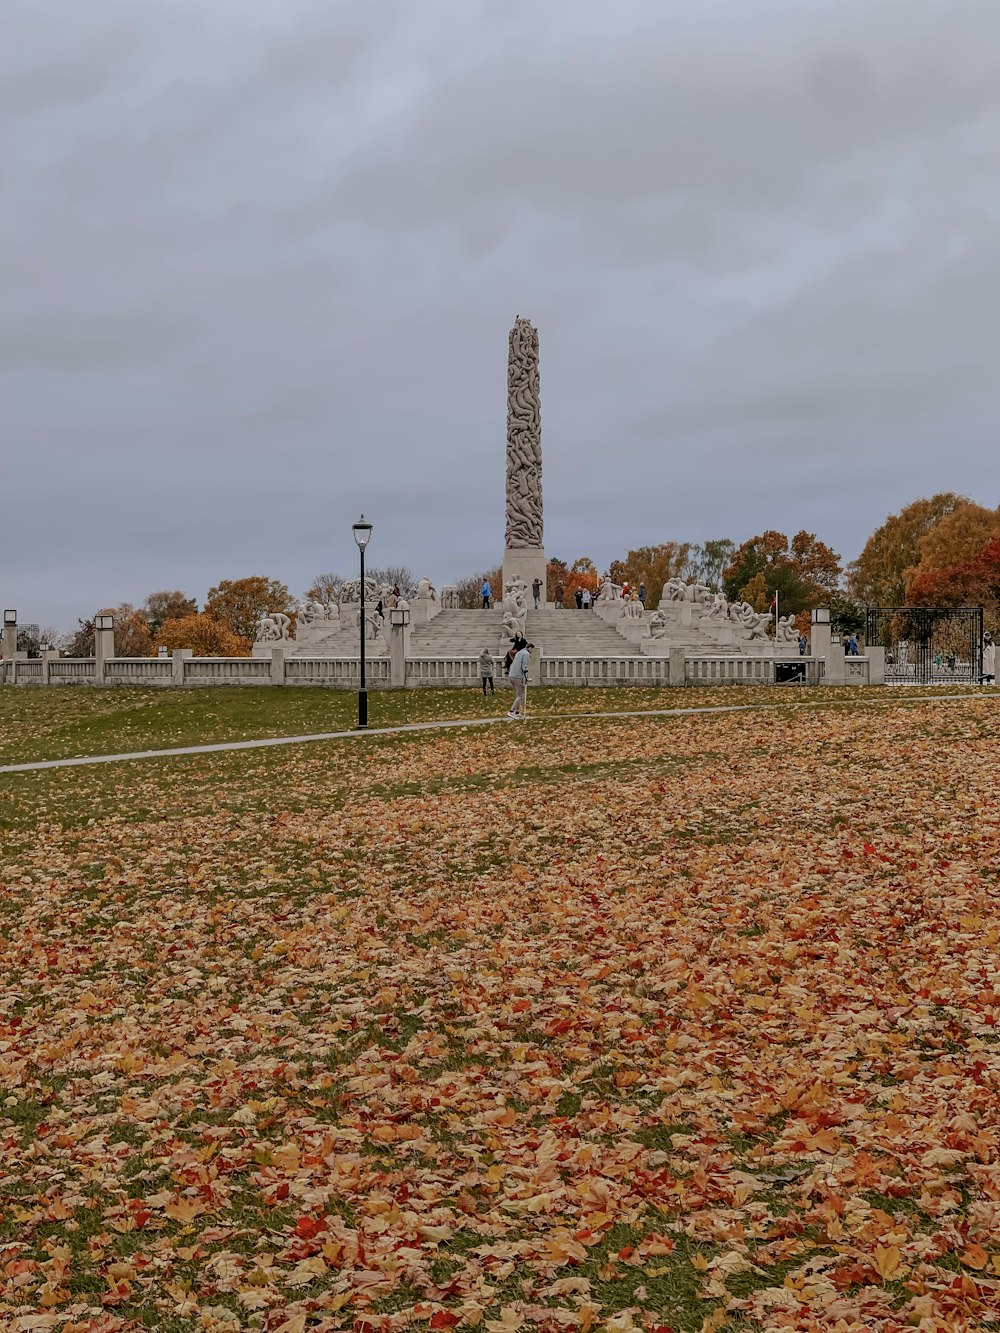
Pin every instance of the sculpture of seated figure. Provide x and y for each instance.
(658, 625)
(634, 610)
(313, 613)
(785, 631)
(674, 590)
(718, 608)
(426, 589)
(511, 626)
(609, 592)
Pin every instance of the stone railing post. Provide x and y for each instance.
(47, 658)
(104, 645)
(9, 635)
(179, 656)
(399, 645)
(277, 666)
(676, 662)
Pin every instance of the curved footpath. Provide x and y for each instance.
(450, 724)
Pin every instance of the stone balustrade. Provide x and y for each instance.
(343, 673)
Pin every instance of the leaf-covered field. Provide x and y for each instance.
(71, 721)
(671, 1023)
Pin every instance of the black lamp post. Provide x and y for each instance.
(362, 535)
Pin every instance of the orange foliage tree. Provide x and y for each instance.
(205, 634)
(878, 576)
(240, 603)
(974, 582)
(954, 543)
(581, 574)
(652, 565)
(804, 572)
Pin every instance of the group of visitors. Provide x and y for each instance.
(631, 594)
(581, 596)
(517, 665)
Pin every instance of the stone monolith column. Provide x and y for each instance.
(524, 554)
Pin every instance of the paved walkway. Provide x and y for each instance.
(450, 724)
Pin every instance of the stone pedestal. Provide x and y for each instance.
(9, 642)
(526, 562)
(423, 609)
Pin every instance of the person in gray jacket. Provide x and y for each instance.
(486, 670)
(519, 669)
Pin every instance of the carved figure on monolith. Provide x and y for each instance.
(524, 556)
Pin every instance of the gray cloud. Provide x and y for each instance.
(260, 262)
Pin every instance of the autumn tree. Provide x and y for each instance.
(755, 593)
(651, 565)
(240, 603)
(31, 639)
(393, 576)
(846, 616)
(707, 560)
(804, 572)
(954, 542)
(470, 597)
(325, 589)
(974, 582)
(582, 573)
(132, 634)
(878, 576)
(81, 642)
(207, 635)
(165, 605)
(556, 571)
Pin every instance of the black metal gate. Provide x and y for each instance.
(928, 645)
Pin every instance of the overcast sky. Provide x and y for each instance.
(260, 260)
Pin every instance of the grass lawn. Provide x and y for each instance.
(670, 1023)
(73, 721)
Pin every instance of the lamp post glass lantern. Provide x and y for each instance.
(362, 535)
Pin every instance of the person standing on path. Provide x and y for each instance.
(586, 599)
(989, 675)
(560, 593)
(519, 670)
(579, 598)
(486, 670)
(487, 594)
(536, 592)
(642, 595)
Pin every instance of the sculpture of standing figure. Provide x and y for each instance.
(273, 628)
